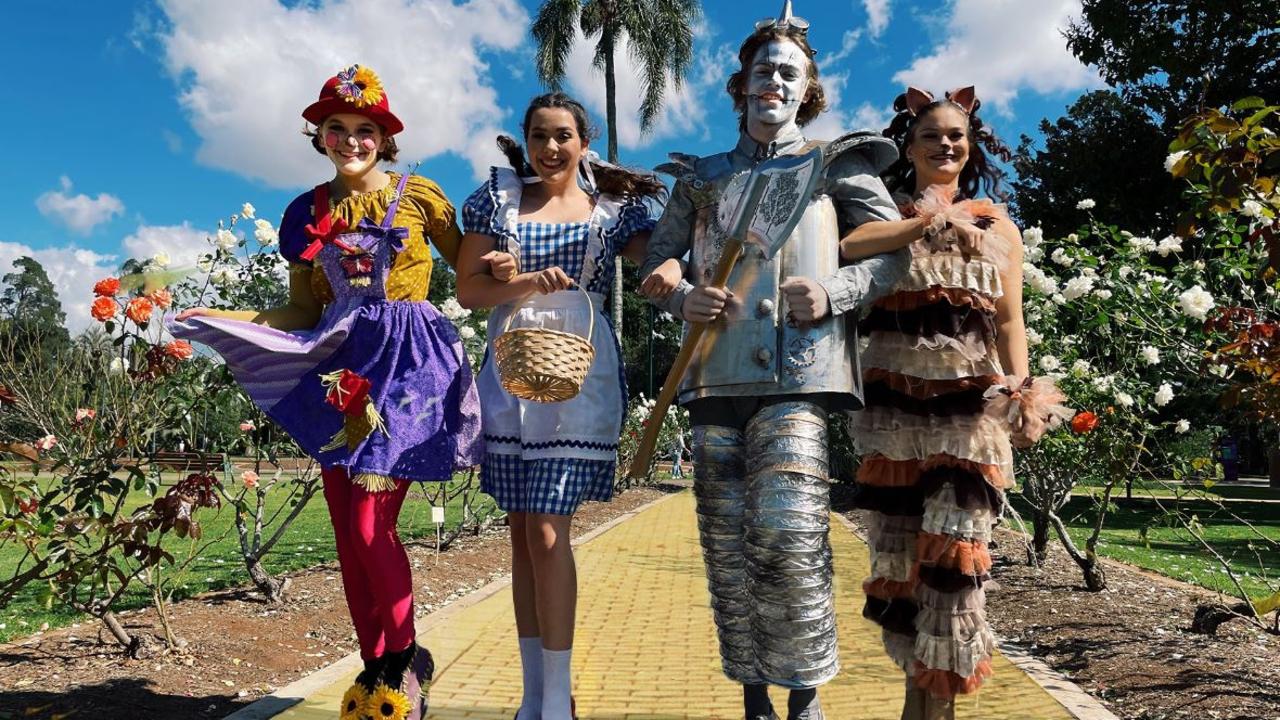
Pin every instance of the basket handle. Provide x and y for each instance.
(591, 307)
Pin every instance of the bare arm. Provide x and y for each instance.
(882, 236)
(1011, 339)
(477, 287)
(302, 312)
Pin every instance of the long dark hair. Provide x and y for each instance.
(815, 98)
(979, 173)
(610, 180)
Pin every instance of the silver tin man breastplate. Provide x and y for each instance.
(752, 349)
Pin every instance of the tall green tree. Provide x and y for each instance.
(658, 35)
(33, 321)
(1164, 61)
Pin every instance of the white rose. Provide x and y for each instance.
(204, 263)
(1124, 271)
(247, 210)
(1171, 244)
(467, 332)
(1060, 256)
(224, 277)
(1173, 159)
(1086, 204)
(1032, 237)
(1198, 265)
(117, 366)
(1081, 368)
(1049, 363)
(1077, 287)
(1058, 299)
(1124, 399)
(225, 240)
(1150, 354)
(453, 310)
(1102, 383)
(1103, 294)
(265, 234)
(1164, 395)
(1251, 208)
(1195, 302)
(1034, 337)
(1073, 238)
(1033, 254)
(160, 260)
(1142, 244)
(1182, 426)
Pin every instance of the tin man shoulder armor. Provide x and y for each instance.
(752, 349)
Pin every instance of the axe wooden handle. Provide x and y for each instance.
(644, 453)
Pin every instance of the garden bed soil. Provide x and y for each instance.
(1131, 645)
(234, 647)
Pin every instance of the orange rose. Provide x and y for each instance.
(162, 298)
(1084, 422)
(250, 479)
(107, 287)
(180, 349)
(103, 309)
(139, 310)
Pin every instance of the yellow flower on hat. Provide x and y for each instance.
(360, 86)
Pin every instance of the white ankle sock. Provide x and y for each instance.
(531, 662)
(557, 686)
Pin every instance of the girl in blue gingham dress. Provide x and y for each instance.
(544, 459)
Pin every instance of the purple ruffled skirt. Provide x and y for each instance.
(422, 383)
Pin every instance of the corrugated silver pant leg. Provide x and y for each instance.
(788, 552)
(721, 489)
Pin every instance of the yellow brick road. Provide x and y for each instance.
(646, 646)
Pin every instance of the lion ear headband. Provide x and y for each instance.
(964, 98)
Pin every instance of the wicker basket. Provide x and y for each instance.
(544, 365)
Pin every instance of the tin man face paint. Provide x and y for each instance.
(777, 83)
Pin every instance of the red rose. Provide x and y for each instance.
(350, 394)
(28, 505)
(180, 349)
(104, 309)
(139, 310)
(1084, 422)
(107, 288)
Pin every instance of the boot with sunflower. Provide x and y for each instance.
(356, 698)
(402, 692)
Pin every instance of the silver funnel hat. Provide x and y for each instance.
(786, 19)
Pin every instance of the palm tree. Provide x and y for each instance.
(659, 36)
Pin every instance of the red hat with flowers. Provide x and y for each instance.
(354, 90)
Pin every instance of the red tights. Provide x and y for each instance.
(375, 567)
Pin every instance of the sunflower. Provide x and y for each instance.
(353, 702)
(387, 704)
(360, 86)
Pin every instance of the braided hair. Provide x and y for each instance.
(979, 172)
(610, 180)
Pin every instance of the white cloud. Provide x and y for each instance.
(683, 111)
(80, 212)
(247, 68)
(72, 270)
(848, 43)
(182, 243)
(837, 121)
(1001, 65)
(878, 15)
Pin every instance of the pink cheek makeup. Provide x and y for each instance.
(331, 140)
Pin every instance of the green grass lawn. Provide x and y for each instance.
(1224, 491)
(308, 542)
(1169, 549)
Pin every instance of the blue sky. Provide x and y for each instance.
(155, 118)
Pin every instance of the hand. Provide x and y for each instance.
(705, 303)
(552, 279)
(502, 266)
(194, 312)
(807, 301)
(968, 238)
(662, 281)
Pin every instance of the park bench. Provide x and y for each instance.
(190, 462)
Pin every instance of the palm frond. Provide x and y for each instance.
(555, 30)
(660, 35)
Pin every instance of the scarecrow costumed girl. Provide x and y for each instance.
(361, 370)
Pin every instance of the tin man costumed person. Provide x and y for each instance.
(777, 359)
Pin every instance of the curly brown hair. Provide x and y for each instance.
(978, 173)
(387, 154)
(815, 100)
(610, 180)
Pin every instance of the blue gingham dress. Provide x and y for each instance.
(550, 457)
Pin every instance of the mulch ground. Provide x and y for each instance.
(1131, 645)
(235, 647)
